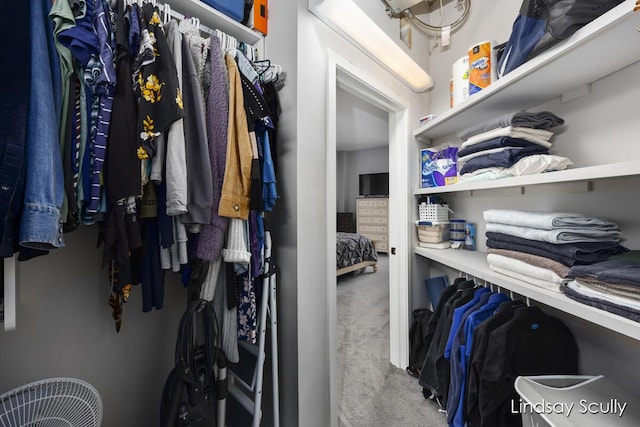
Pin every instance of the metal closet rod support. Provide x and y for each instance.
(423, 27)
(485, 283)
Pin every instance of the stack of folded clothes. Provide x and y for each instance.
(612, 285)
(511, 145)
(539, 248)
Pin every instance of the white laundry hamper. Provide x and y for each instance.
(595, 401)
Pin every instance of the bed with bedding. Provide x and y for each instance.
(354, 252)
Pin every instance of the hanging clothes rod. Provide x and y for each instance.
(164, 8)
(229, 42)
(485, 283)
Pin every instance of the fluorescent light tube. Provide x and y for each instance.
(350, 21)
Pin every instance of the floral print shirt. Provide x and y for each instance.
(160, 100)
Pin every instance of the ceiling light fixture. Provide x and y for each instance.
(345, 17)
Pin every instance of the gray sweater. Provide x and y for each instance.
(199, 178)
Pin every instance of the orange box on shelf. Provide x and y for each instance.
(260, 16)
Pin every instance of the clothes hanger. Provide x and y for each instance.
(167, 14)
(261, 68)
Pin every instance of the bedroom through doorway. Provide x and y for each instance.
(345, 76)
(362, 295)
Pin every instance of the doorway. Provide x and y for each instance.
(345, 76)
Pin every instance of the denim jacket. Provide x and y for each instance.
(40, 225)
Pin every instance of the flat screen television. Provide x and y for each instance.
(374, 184)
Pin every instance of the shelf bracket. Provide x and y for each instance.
(565, 187)
(576, 93)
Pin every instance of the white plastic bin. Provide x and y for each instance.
(574, 401)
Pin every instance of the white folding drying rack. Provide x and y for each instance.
(246, 377)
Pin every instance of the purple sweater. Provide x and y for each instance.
(212, 235)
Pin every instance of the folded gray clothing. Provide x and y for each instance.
(537, 136)
(540, 120)
(535, 260)
(568, 254)
(613, 271)
(620, 310)
(624, 291)
(558, 235)
(633, 256)
(505, 158)
(546, 220)
(605, 296)
(499, 244)
(503, 141)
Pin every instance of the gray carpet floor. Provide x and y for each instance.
(371, 391)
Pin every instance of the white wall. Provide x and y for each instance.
(65, 329)
(281, 48)
(349, 165)
(488, 20)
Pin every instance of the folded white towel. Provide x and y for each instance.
(546, 220)
(522, 277)
(522, 267)
(537, 136)
(556, 236)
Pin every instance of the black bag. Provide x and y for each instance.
(187, 404)
(190, 395)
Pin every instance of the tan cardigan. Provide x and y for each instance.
(234, 201)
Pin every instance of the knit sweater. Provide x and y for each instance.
(212, 235)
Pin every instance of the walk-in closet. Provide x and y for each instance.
(168, 192)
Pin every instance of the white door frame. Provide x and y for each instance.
(343, 74)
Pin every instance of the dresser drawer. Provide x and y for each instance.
(366, 220)
(378, 220)
(365, 211)
(383, 203)
(376, 237)
(382, 247)
(362, 203)
(373, 229)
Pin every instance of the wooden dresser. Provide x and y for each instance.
(372, 220)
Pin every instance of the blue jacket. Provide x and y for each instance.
(456, 405)
(40, 225)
